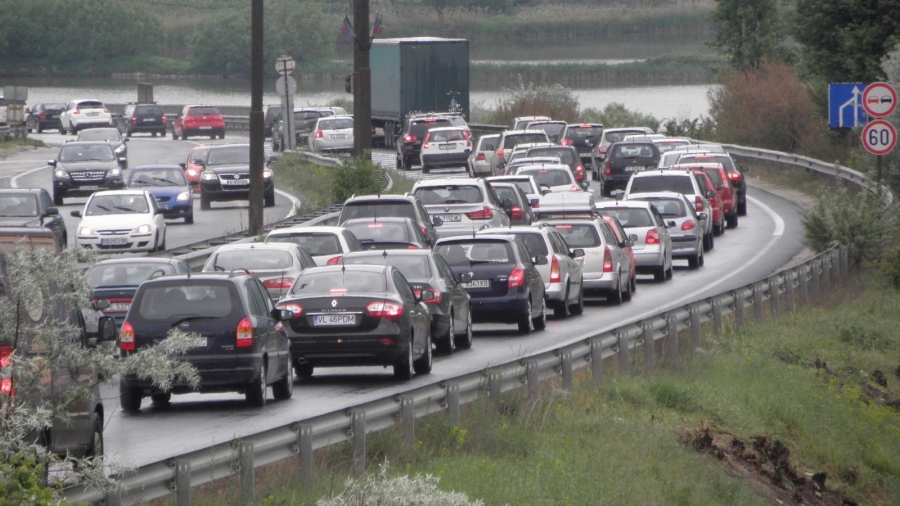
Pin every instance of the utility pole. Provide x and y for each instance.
(362, 81)
(257, 132)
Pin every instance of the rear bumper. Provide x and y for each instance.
(506, 309)
(219, 373)
(445, 159)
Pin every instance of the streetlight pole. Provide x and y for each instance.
(257, 132)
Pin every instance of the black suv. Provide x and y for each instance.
(409, 144)
(83, 167)
(226, 176)
(624, 159)
(142, 118)
(584, 137)
(32, 208)
(238, 344)
(402, 206)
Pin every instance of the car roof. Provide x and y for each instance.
(85, 143)
(656, 195)
(123, 191)
(447, 129)
(385, 219)
(642, 204)
(391, 196)
(496, 235)
(454, 181)
(389, 252)
(233, 144)
(542, 166)
(342, 267)
(19, 191)
(284, 246)
(138, 260)
(307, 228)
(198, 276)
(155, 167)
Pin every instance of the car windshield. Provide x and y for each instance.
(158, 177)
(335, 123)
(130, 203)
(380, 232)
(534, 242)
(377, 210)
(338, 282)
(18, 205)
(125, 274)
(631, 217)
(95, 153)
(198, 154)
(251, 259)
(449, 194)
(661, 183)
(412, 267)
(189, 299)
(579, 235)
(549, 177)
(203, 111)
(467, 253)
(314, 243)
(229, 155)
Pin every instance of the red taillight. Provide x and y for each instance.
(568, 142)
(484, 214)
(652, 236)
(607, 259)
(106, 111)
(292, 306)
(468, 143)
(6, 355)
(389, 310)
(42, 116)
(410, 138)
(536, 205)
(412, 246)
(735, 176)
(319, 134)
(480, 157)
(424, 231)
(467, 134)
(574, 188)
(500, 152)
(688, 225)
(516, 213)
(334, 260)
(425, 145)
(435, 300)
(579, 173)
(555, 275)
(602, 150)
(698, 204)
(278, 283)
(516, 278)
(76, 111)
(244, 334)
(126, 337)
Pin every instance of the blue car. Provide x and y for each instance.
(169, 186)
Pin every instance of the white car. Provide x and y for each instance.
(479, 163)
(121, 221)
(558, 177)
(327, 245)
(81, 114)
(332, 134)
(445, 147)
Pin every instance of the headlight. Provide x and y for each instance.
(267, 173)
(60, 174)
(85, 231)
(183, 197)
(208, 176)
(115, 172)
(120, 150)
(143, 229)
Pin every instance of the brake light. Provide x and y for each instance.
(607, 260)
(467, 134)
(278, 283)
(424, 232)
(133, 120)
(244, 333)
(376, 225)
(435, 300)
(608, 165)
(688, 225)
(468, 143)
(568, 142)
(574, 188)
(555, 275)
(412, 246)
(698, 204)
(334, 260)
(484, 214)
(425, 145)
(500, 152)
(601, 150)
(389, 310)
(579, 172)
(126, 337)
(410, 138)
(516, 213)
(652, 237)
(319, 134)
(76, 111)
(735, 176)
(292, 306)
(480, 157)
(106, 111)
(5, 361)
(516, 278)
(43, 116)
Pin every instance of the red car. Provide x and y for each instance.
(194, 120)
(192, 167)
(717, 203)
(719, 176)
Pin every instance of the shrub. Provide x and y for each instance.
(357, 176)
(554, 101)
(21, 481)
(891, 265)
(615, 115)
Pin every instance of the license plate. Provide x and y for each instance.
(148, 120)
(446, 147)
(197, 342)
(206, 128)
(451, 218)
(93, 114)
(110, 241)
(334, 319)
(477, 283)
(89, 187)
(636, 168)
(235, 182)
(119, 306)
(339, 136)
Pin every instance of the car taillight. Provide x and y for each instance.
(278, 283)
(608, 164)
(555, 275)
(735, 176)
(244, 333)
(480, 157)
(536, 205)
(652, 237)
(435, 300)
(42, 116)
(568, 142)
(607, 259)
(163, 119)
(319, 134)
(468, 143)
(467, 134)
(76, 111)
(579, 173)
(425, 145)
(106, 111)
(412, 246)
(292, 306)
(484, 214)
(601, 150)
(389, 310)
(516, 213)
(698, 204)
(334, 260)
(688, 225)
(410, 138)
(126, 337)
(500, 152)
(574, 188)
(424, 231)
(516, 278)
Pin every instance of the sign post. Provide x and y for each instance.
(879, 137)
(286, 86)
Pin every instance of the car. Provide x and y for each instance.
(463, 205)
(275, 265)
(479, 163)
(701, 147)
(110, 135)
(304, 120)
(557, 177)
(666, 144)
(445, 147)
(81, 114)
(81, 168)
(644, 137)
(649, 233)
(378, 206)
(325, 244)
(716, 206)
(197, 120)
(271, 114)
(520, 122)
(735, 173)
(668, 158)
(169, 187)
(623, 159)
(718, 176)
(118, 221)
(509, 139)
(238, 344)
(610, 135)
(562, 276)
(194, 165)
(450, 309)
(358, 315)
(332, 134)
(553, 205)
(384, 233)
(415, 128)
(142, 118)
(519, 151)
(684, 224)
(626, 243)
(226, 176)
(584, 137)
(44, 116)
(520, 213)
(32, 208)
(502, 278)
(553, 129)
(513, 166)
(567, 154)
(528, 185)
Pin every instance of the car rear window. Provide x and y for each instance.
(450, 194)
(506, 192)
(632, 151)
(314, 243)
(579, 235)
(188, 299)
(534, 242)
(553, 130)
(203, 111)
(568, 156)
(338, 283)
(251, 259)
(669, 208)
(380, 231)
(549, 177)
(121, 274)
(662, 183)
(413, 267)
(335, 123)
(514, 140)
(229, 155)
(631, 217)
(584, 132)
(372, 209)
(147, 109)
(724, 159)
(484, 251)
(420, 127)
(90, 105)
(54, 107)
(714, 175)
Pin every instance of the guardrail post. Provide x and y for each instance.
(113, 499)
(568, 382)
(624, 365)
(596, 361)
(531, 379)
(814, 266)
(305, 445)
(757, 302)
(247, 473)
(802, 273)
(696, 337)
(494, 383)
(826, 273)
(649, 346)
(183, 483)
(773, 296)
(358, 421)
(789, 289)
(453, 402)
(672, 337)
(739, 318)
(717, 316)
(408, 419)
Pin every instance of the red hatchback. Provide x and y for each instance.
(717, 202)
(719, 177)
(194, 120)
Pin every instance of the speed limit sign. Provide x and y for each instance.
(879, 137)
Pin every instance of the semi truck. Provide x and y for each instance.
(417, 74)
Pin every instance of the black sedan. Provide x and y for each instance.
(451, 311)
(387, 233)
(32, 208)
(43, 116)
(502, 279)
(358, 315)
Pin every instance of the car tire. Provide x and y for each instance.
(447, 344)
(129, 399)
(212, 137)
(159, 246)
(630, 292)
(464, 340)
(222, 135)
(174, 135)
(189, 218)
(283, 389)
(184, 135)
(161, 399)
(269, 199)
(526, 324)
(561, 309)
(694, 261)
(615, 297)
(57, 198)
(670, 272)
(407, 164)
(73, 129)
(540, 322)
(128, 133)
(742, 208)
(578, 307)
(403, 368)
(204, 201)
(399, 164)
(257, 390)
(733, 220)
(426, 169)
(38, 128)
(660, 273)
(303, 371)
(424, 364)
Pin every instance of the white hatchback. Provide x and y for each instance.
(326, 244)
(121, 221)
(332, 134)
(445, 147)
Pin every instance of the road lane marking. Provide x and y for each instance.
(779, 223)
(13, 180)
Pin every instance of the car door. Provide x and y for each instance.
(459, 298)
(419, 319)
(572, 267)
(269, 341)
(53, 222)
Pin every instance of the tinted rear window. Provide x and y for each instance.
(314, 243)
(662, 183)
(335, 282)
(631, 217)
(380, 231)
(669, 208)
(203, 111)
(412, 267)
(335, 123)
(365, 209)
(251, 259)
(420, 127)
(450, 194)
(124, 274)
(632, 151)
(534, 242)
(506, 192)
(714, 175)
(173, 302)
(147, 109)
(464, 253)
(90, 105)
(579, 235)
(590, 133)
(568, 156)
(725, 160)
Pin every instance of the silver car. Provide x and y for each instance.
(463, 205)
(557, 177)
(684, 224)
(647, 229)
(276, 265)
(479, 163)
(332, 134)
(325, 244)
(528, 185)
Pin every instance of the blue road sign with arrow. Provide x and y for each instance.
(845, 108)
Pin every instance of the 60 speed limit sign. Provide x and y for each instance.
(879, 137)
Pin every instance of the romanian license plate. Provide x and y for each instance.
(197, 342)
(451, 218)
(119, 306)
(477, 283)
(339, 136)
(89, 187)
(111, 241)
(93, 114)
(148, 120)
(634, 168)
(446, 147)
(334, 319)
(206, 128)
(235, 182)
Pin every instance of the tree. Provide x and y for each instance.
(747, 32)
(845, 41)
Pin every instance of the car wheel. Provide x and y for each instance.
(303, 371)
(399, 164)
(257, 389)
(212, 137)
(269, 199)
(73, 129)
(712, 241)
(526, 324)
(403, 369)
(615, 297)
(426, 361)
(578, 307)
(407, 164)
(702, 259)
(62, 131)
(38, 128)
(628, 293)
(464, 340)
(57, 198)
(540, 323)
(129, 399)
(660, 273)
(426, 169)
(561, 309)
(222, 135)
(160, 246)
(670, 272)
(719, 229)
(183, 135)
(283, 389)
(447, 344)
(694, 261)
(128, 133)
(742, 208)
(733, 220)
(189, 218)
(204, 201)
(161, 399)
(707, 239)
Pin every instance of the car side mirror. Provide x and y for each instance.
(106, 329)
(125, 140)
(123, 161)
(425, 296)
(51, 163)
(282, 314)
(585, 185)
(75, 214)
(710, 194)
(670, 224)
(545, 189)
(182, 165)
(633, 238)
(743, 168)
(507, 204)
(52, 211)
(702, 216)
(465, 277)
(100, 305)
(540, 260)
(437, 222)
(617, 194)
(576, 253)
(627, 243)
(159, 211)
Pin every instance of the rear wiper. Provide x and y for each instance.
(192, 317)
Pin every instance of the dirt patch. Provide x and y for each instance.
(766, 463)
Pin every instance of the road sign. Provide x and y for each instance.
(291, 85)
(284, 65)
(845, 108)
(879, 137)
(879, 99)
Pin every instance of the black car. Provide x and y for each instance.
(584, 137)
(451, 308)
(358, 315)
(409, 144)
(238, 344)
(735, 174)
(110, 135)
(568, 154)
(624, 159)
(520, 212)
(44, 115)
(501, 277)
(141, 118)
(271, 114)
(83, 167)
(226, 176)
(378, 206)
(384, 233)
(32, 208)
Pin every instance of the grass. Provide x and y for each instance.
(6, 145)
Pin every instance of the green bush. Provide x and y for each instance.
(22, 481)
(359, 176)
(891, 265)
